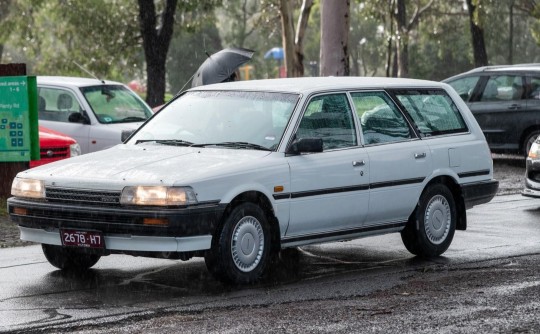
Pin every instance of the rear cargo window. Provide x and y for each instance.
(433, 111)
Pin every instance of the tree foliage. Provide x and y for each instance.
(104, 36)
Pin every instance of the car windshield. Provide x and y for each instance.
(228, 119)
(116, 104)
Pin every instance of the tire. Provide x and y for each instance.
(430, 229)
(69, 258)
(529, 140)
(241, 246)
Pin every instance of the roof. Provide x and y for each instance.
(72, 81)
(311, 84)
(532, 67)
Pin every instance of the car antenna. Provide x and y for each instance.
(88, 72)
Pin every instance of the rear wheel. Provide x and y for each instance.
(431, 227)
(241, 247)
(69, 258)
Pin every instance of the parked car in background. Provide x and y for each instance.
(505, 100)
(532, 171)
(236, 172)
(54, 146)
(93, 112)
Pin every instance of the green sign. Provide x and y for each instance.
(19, 138)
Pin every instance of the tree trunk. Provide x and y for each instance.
(334, 38)
(510, 35)
(156, 43)
(477, 33)
(402, 42)
(391, 5)
(298, 60)
(287, 34)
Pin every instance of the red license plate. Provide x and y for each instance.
(87, 239)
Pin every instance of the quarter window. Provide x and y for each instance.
(381, 120)
(329, 117)
(433, 111)
(533, 91)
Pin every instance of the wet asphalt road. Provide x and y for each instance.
(127, 294)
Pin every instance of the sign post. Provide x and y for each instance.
(19, 137)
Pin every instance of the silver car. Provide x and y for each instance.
(93, 112)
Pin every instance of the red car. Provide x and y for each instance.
(55, 146)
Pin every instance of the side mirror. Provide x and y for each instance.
(305, 145)
(125, 135)
(78, 117)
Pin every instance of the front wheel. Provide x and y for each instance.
(241, 247)
(529, 140)
(69, 258)
(431, 227)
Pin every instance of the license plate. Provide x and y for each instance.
(87, 239)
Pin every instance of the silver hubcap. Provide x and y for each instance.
(437, 219)
(247, 244)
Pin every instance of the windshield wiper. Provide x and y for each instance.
(236, 144)
(130, 119)
(172, 142)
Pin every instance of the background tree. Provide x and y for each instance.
(335, 38)
(404, 26)
(477, 33)
(4, 11)
(156, 34)
(293, 41)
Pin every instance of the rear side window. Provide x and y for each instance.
(503, 88)
(433, 111)
(381, 120)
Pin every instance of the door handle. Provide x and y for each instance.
(358, 163)
(514, 106)
(420, 155)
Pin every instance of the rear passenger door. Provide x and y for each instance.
(398, 160)
(501, 110)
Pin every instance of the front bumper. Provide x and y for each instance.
(532, 178)
(188, 229)
(126, 243)
(479, 192)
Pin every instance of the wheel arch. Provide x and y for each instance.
(260, 199)
(524, 135)
(455, 189)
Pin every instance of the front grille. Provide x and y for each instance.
(54, 152)
(82, 197)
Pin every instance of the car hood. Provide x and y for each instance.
(48, 137)
(144, 164)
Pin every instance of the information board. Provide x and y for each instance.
(19, 139)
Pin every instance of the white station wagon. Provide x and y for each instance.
(236, 172)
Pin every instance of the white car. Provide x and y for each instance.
(237, 172)
(93, 112)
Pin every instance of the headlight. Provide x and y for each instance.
(158, 195)
(74, 150)
(27, 188)
(534, 151)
